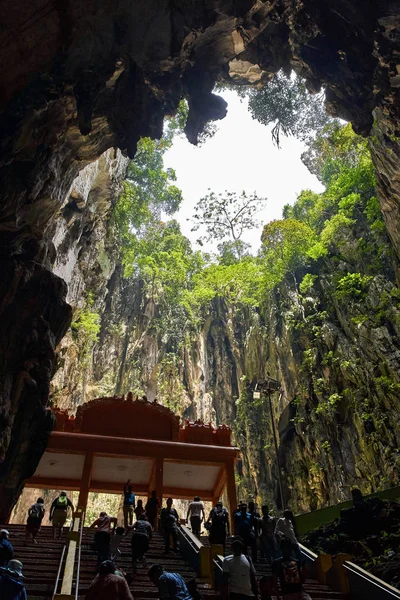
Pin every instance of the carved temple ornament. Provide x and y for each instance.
(198, 432)
(134, 417)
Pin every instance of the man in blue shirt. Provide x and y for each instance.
(129, 504)
(6, 549)
(171, 586)
(243, 523)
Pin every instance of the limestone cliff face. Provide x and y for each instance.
(103, 75)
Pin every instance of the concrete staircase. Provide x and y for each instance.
(41, 562)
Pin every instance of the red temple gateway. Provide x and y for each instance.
(115, 439)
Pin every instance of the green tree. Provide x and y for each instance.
(226, 217)
(286, 102)
(148, 190)
(286, 246)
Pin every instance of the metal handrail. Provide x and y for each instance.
(377, 589)
(61, 562)
(78, 568)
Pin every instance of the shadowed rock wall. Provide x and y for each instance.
(80, 78)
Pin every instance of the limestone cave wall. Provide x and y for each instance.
(338, 359)
(80, 78)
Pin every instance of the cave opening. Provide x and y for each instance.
(323, 316)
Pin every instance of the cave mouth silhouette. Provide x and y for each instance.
(80, 79)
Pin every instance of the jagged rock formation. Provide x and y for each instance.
(78, 79)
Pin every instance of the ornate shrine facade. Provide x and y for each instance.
(115, 439)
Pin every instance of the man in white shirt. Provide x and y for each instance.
(284, 529)
(239, 575)
(196, 512)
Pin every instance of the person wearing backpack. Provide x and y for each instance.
(291, 574)
(35, 518)
(218, 524)
(59, 513)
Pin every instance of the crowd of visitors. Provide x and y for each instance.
(274, 538)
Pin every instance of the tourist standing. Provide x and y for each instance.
(11, 584)
(171, 586)
(142, 533)
(129, 504)
(239, 574)
(218, 522)
(107, 585)
(284, 528)
(197, 515)
(152, 507)
(102, 537)
(290, 574)
(169, 522)
(59, 513)
(268, 543)
(35, 518)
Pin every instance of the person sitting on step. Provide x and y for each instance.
(11, 584)
(169, 522)
(197, 515)
(171, 586)
(107, 585)
(35, 518)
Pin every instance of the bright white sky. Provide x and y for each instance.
(240, 156)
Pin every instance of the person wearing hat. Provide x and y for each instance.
(59, 512)
(239, 574)
(11, 584)
(6, 549)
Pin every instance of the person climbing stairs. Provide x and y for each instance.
(41, 562)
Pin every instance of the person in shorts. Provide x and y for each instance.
(35, 518)
(59, 513)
